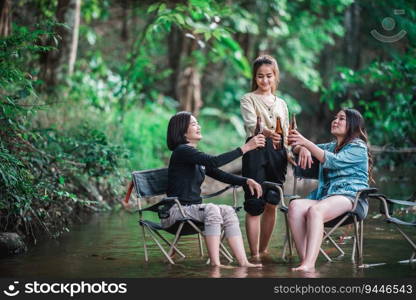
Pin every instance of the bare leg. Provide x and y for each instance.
(317, 215)
(237, 247)
(213, 246)
(253, 234)
(268, 221)
(297, 222)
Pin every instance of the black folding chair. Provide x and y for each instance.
(154, 182)
(350, 217)
(386, 209)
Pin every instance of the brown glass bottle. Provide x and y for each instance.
(293, 124)
(259, 126)
(279, 130)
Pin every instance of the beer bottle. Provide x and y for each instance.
(259, 126)
(293, 125)
(279, 130)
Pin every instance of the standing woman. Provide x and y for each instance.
(270, 162)
(344, 170)
(187, 170)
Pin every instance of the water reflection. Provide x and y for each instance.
(111, 246)
(237, 272)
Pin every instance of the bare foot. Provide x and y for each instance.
(222, 266)
(255, 258)
(250, 265)
(304, 268)
(264, 253)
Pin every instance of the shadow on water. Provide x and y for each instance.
(110, 246)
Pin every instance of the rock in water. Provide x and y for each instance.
(11, 243)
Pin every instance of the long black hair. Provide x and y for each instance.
(178, 126)
(356, 129)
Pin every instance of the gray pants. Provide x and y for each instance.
(213, 216)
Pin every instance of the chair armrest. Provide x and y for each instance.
(277, 188)
(362, 195)
(235, 200)
(385, 207)
(218, 192)
(180, 208)
(401, 202)
(164, 201)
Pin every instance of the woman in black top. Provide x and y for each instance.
(187, 169)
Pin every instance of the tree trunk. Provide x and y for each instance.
(5, 18)
(175, 48)
(352, 34)
(124, 26)
(75, 35)
(55, 61)
(190, 90)
(189, 85)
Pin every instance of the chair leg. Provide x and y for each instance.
(361, 241)
(285, 246)
(409, 241)
(152, 234)
(412, 258)
(327, 236)
(289, 236)
(146, 257)
(342, 253)
(201, 249)
(357, 237)
(326, 255)
(225, 253)
(171, 245)
(177, 236)
(354, 247)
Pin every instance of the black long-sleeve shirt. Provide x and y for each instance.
(187, 169)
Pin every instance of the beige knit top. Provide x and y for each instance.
(253, 105)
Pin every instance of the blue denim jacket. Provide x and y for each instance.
(342, 173)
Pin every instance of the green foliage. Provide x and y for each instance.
(201, 20)
(45, 173)
(15, 51)
(385, 93)
(144, 135)
(309, 27)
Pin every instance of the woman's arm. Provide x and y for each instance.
(350, 154)
(225, 177)
(296, 139)
(192, 155)
(305, 156)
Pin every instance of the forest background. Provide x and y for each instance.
(87, 88)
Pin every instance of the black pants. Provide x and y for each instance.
(263, 164)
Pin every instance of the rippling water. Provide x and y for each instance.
(111, 246)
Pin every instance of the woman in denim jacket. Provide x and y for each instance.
(344, 169)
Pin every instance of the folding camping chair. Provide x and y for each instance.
(386, 209)
(149, 183)
(345, 219)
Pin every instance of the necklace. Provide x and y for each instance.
(265, 103)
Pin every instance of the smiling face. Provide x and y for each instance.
(339, 125)
(265, 79)
(193, 134)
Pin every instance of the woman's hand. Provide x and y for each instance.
(305, 158)
(257, 141)
(276, 139)
(295, 138)
(254, 187)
